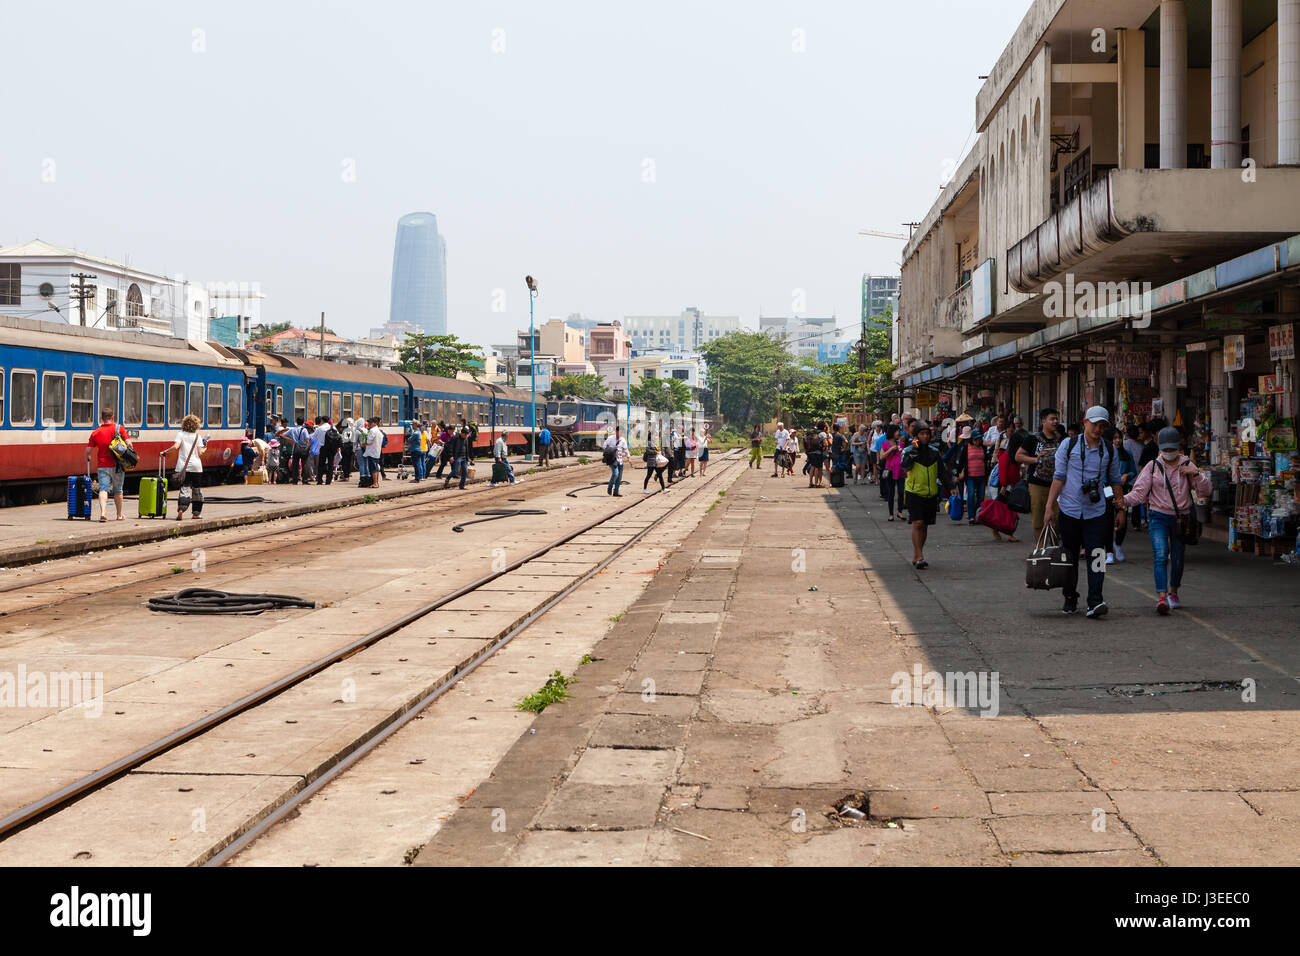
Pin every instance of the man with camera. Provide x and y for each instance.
(1088, 475)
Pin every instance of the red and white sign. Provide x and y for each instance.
(1281, 342)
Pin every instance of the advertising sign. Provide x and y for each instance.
(1234, 353)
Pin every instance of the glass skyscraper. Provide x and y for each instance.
(419, 293)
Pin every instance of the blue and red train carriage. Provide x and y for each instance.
(55, 380)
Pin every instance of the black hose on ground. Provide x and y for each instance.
(208, 601)
(496, 513)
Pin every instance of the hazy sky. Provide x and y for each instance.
(636, 158)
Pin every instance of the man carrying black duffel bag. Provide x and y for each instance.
(1088, 472)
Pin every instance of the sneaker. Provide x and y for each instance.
(1110, 558)
(1174, 603)
(1119, 555)
(1098, 610)
(1162, 607)
(1071, 605)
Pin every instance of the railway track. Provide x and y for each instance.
(59, 800)
(300, 535)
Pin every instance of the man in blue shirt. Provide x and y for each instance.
(315, 444)
(1088, 472)
(544, 447)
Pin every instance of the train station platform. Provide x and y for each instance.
(43, 532)
(788, 662)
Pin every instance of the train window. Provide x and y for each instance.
(83, 401)
(390, 407)
(196, 401)
(108, 397)
(356, 404)
(22, 398)
(132, 403)
(311, 405)
(270, 401)
(365, 408)
(279, 401)
(54, 399)
(336, 407)
(175, 403)
(234, 406)
(347, 405)
(2, 397)
(214, 408)
(299, 405)
(155, 406)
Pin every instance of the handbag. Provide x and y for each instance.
(179, 477)
(993, 476)
(1018, 497)
(661, 461)
(994, 513)
(955, 506)
(1186, 528)
(1048, 567)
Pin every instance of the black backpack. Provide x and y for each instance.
(610, 456)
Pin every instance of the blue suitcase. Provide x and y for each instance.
(79, 497)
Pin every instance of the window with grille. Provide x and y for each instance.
(83, 401)
(54, 399)
(214, 407)
(22, 398)
(175, 403)
(235, 406)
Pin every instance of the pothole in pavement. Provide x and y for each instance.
(1173, 687)
(854, 809)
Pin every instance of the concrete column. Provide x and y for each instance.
(1225, 84)
(1173, 84)
(1288, 82)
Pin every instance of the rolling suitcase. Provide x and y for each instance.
(152, 499)
(79, 496)
(500, 473)
(837, 477)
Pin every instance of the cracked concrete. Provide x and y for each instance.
(794, 653)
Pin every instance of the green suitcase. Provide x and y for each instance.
(152, 499)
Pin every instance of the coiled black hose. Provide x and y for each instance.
(208, 601)
(496, 513)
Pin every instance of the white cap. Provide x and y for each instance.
(1097, 414)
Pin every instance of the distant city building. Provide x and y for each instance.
(686, 332)
(399, 330)
(606, 342)
(804, 336)
(419, 290)
(879, 298)
(555, 337)
(376, 353)
(37, 281)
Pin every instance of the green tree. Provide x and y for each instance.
(745, 370)
(442, 355)
(585, 385)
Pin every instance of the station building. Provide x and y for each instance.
(1125, 230)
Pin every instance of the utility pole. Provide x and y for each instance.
(81, 278)
(322, 336)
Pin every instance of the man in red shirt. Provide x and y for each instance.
(111, 473)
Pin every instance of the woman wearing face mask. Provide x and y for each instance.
(1166, 486)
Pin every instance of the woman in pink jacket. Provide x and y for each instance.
(1166, 487)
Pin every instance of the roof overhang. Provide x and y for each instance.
(1155, 225)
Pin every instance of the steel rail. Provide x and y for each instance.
(302, 796)
(380, 517)
(32, 812)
